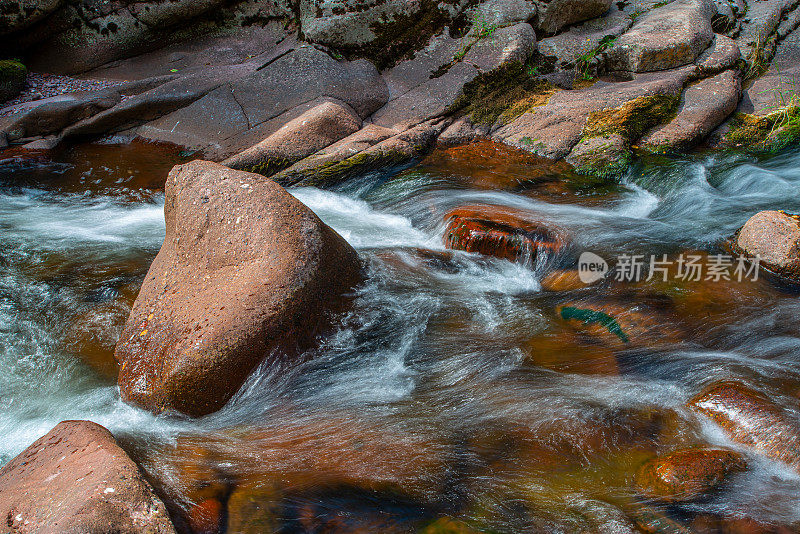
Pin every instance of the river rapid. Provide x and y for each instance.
(451, 387)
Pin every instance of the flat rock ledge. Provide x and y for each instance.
(77, 479)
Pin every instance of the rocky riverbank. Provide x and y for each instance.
(313, 95)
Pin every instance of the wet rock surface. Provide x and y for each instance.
(246, 273)
(687, 475)
(773, 237)
(752, 420)
(505, 233)
(77, 479)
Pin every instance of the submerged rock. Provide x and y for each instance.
(774, 236)
(77, 479)
(618, 325)
(504, 232)
(688, 474)
(246, 272)
(751, 419)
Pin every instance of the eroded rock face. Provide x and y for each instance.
(555, 14)
(506, 233)
(775, 237)
(688, 474)
(77, 479)
(246, 272)
(664, 38)
(751, 419)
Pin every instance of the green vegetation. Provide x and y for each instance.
(777, 128)
(12, 78)
(584, 63)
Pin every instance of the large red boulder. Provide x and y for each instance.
(77, 479)
(687, 474)
(246, 272)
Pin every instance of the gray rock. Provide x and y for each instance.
(553, 15)
(580, 40)
(705, 105)
(664, 38)
(503, 12)
(512, 43)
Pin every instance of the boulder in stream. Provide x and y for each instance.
(77, 479)
(773, 236)
(246, 272)
(512, 234)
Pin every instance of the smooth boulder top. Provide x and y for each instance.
(76, 479)
(246, 272)
(774, 236)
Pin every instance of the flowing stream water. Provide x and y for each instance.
(451, 387)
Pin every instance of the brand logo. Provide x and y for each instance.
(591, 267)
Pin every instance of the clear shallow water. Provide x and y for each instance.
(451, 386)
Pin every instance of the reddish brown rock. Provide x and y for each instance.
(688, 474)
(751, 419)
(324, 124)
(77, 479)
(504, 232)
(563, 281)
(775, 237)
(246, 271)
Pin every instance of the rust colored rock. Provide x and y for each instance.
(207, 517)
(775, 237)
(77, 479)
(563, 281)
(245, 272)
(503, 232)
(688, 474)
(751, 419)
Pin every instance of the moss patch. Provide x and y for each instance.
(12, 78)
(633, 119)
(769, 133)
(330, 173)
(502, 94)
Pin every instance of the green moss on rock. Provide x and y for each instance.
(502, 95)
(12, 78)
(634, 118)
(769, 133)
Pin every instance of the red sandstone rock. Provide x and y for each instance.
(77, 479)
(245, 272)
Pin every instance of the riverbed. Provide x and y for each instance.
(451, 387)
